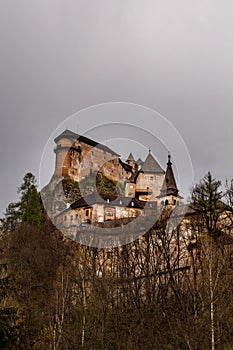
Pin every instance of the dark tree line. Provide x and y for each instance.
(170, 289)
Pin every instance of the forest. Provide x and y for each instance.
(170, 289)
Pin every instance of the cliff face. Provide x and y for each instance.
(62, 191)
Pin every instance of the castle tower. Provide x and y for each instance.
(139, 163)
(150, 179)
(131, 161)
(169, 193)
(63, 150)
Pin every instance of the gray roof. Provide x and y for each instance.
(139, 162)
(151, 165)
(73, 136)
(169, 184)
(130, 158)
(107, 200)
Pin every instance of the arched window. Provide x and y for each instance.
(162, 203)
(166, 202)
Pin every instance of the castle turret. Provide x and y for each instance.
(169, 193)
(131, 161)
(150, 179)
(64, 143)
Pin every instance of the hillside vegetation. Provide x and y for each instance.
(57, 294)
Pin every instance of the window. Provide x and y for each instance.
(166, 202)
(109, 255)
(76, 216)
(87, 212)
(65, 218)
(71, 217)
(151, 178)
(109, 212)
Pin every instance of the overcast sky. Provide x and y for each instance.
(58, 57)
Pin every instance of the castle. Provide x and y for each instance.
(141, 182)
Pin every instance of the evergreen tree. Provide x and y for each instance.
(28, 209)
(30, 204)
(207, 201)
(12, 217)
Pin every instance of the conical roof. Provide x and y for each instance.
(169, 184)
(139, 162)
(151, 165)
(130, 158)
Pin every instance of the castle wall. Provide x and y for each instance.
(77, 159)
(96, 213)
(170, 200)
(152, 182)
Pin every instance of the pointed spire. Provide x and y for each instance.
(139, 162)
(151, 165)
(130, 158)
(169, 184)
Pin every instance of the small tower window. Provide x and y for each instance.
(109, 255)
(166, 202)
